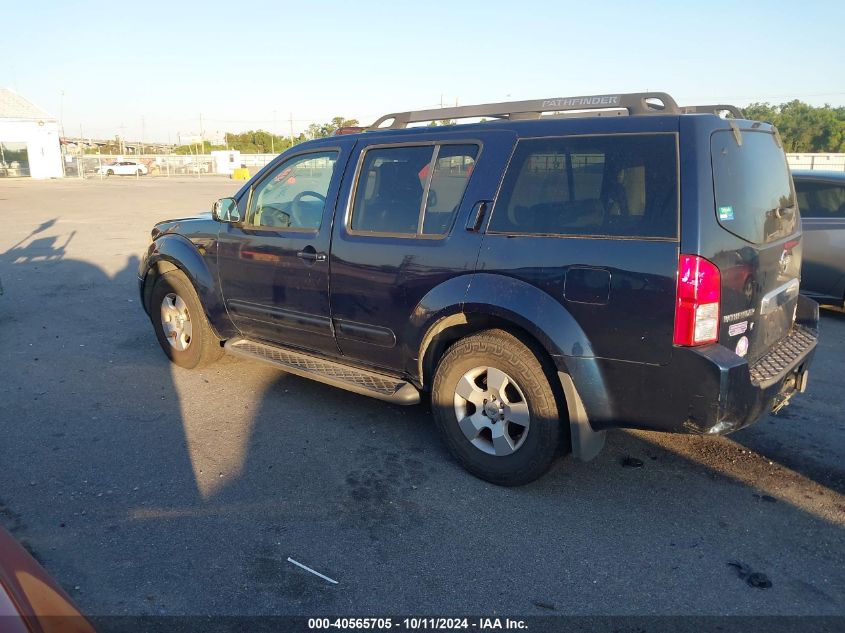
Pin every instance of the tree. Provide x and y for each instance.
(804, 128)
(321, 130)
(263, 142)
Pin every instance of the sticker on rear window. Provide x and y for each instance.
(726, 213)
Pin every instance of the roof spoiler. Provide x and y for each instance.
(735, 112)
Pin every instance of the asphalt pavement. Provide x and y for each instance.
(148, 489)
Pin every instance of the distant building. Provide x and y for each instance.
(29, 139)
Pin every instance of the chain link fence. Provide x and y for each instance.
(157, 165)
(199, 165)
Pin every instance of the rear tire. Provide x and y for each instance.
(495, 409)
(180, 323)
(109, 173)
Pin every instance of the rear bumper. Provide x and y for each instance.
(748, 392)
(708, 390)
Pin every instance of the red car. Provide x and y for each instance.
(31, 601)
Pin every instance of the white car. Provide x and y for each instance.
(196, 168)
(123, 168)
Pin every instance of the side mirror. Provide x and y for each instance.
(226, 210)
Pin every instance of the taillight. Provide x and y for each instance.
(697, 301)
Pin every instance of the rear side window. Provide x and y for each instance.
(622, 186)
(752, 186)
(411, 190)
(820, 199)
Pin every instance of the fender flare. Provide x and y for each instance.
(175, 250)
(548, 322)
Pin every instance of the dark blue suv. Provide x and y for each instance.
(562, 267)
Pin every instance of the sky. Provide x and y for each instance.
(158, 71)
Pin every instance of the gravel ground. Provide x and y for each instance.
(147, 489)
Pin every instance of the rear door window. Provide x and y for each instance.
(821, 199)
(754, 198)
(610, 186)
(411, 190)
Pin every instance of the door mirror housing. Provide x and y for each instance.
(226, 210)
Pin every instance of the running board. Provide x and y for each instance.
(367, 383)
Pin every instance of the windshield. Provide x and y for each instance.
(753, 190)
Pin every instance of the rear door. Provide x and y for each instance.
(403, 233)
(592, 220)
(822, 204)
(758, 249)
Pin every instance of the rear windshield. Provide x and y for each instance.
(754, 198)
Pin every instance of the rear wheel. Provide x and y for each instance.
(109, 173)
(180, 323)
(139, 172)
(496, 409)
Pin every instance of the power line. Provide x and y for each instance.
(765, 97)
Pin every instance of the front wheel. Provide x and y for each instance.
(180, 323)
(495, 409)
(109, 173)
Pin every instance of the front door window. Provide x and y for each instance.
(293, 195)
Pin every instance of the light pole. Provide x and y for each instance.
(273, 135)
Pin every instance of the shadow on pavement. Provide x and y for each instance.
(109, 455)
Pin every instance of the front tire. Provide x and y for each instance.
(109, 173)
(495, 409)
(180, 323)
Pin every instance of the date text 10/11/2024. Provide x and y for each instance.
(415, 624)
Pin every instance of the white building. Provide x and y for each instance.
(29, 139)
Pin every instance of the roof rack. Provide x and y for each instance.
(635, 103)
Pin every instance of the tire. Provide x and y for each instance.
(188, 342)
(523, 431)
(139, 173)
(109, 173)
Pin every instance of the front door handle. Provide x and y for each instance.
(310, 254)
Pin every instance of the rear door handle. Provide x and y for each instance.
(476, 215)
(309, 254)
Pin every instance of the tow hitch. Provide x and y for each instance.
(781, 401)
(796, 383)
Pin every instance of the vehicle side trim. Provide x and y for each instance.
(282, 317)
(365, 332)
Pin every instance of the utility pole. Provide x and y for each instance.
(80, 166)
(273, 135)
(122, 129)
(291, 129)
(202, 134)
(143, 133)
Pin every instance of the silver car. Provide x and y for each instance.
(821, 199)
